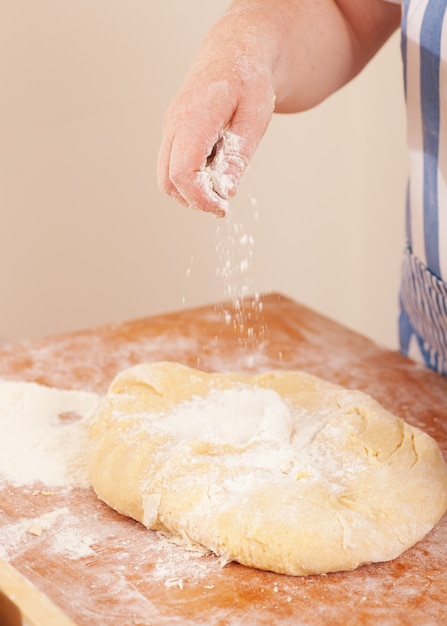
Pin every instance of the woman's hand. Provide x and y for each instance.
(286, 55)
(214, 124)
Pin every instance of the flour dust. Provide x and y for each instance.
(234, 243)
(242, 309)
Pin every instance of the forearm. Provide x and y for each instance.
(313, 47)
(263, 55)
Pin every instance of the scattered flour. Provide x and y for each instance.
(234, 245)
(67, 537)
(243, 306)
(43, 434)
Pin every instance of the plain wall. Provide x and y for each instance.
(86, 237)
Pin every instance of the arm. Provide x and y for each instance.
(263, 55)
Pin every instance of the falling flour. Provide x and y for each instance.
(242, 306)
(234, 243)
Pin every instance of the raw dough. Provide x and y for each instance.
(280, 471)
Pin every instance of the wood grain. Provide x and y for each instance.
(132, 576)
(35, 607)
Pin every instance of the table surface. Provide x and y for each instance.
(132, 576)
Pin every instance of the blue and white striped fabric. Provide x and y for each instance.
(423, 319)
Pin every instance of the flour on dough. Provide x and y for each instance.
(280, 471)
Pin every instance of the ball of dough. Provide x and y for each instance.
(281, 471)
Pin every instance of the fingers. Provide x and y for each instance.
(214, 124)
(211, 132)
(214, 180)
(225, 165)
(193, 126)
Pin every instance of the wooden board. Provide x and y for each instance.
(128, 575)
(35, 607)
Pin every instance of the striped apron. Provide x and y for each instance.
(423, 294)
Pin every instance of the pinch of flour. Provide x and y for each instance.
(223, 170)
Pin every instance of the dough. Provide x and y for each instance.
(280, 471)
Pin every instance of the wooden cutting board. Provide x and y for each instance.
(127, 575)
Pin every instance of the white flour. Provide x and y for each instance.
(255, 430)
(63, 531)
(235, 249)
(225, 166)
(43, 434)
(234, 245)
(236, 416)
(234, 273)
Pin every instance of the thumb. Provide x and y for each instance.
(235, 148)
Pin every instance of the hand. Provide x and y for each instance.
(215, 123)
(283, 54)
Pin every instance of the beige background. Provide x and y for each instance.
(86, 237)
